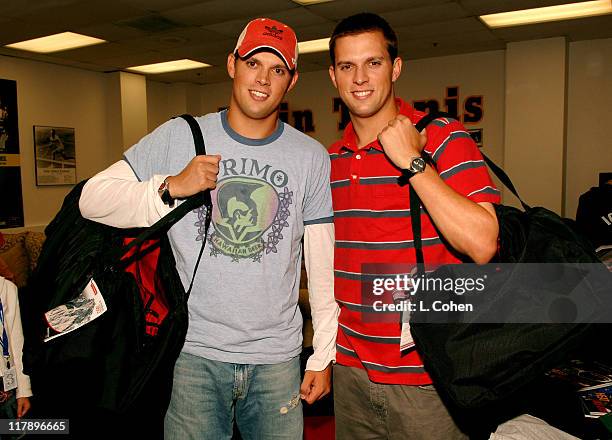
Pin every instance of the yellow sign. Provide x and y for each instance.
(9, 160)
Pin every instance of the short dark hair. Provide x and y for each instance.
(360, 23)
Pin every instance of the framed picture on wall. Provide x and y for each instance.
(54, 154)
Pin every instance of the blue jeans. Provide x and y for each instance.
(208, 395)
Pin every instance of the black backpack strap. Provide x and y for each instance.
(503, 177)
(196, 131)
(415, 216)
(191, 203)
(415, 201)
(198, 139)
(428, 119)
(499, 173)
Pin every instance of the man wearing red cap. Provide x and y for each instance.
(270, 189)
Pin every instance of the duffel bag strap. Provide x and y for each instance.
(205, 195)
(415, 216)
(499, 173)
(191, 203)
(415, 201)
(503, 177)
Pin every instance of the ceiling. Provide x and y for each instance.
(150, 31)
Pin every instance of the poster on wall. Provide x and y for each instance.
(55, 159)
(11, 209)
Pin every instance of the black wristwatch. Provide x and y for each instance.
(416, 166)
(164, 193)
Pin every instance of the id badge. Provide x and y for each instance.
(10, 379)
(406, 340)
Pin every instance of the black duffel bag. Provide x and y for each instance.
(114, 373)
(487, 372)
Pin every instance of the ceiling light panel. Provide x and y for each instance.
(549, 13)
(56, 43)
(168, 66)
(309, 2)
(311, 46)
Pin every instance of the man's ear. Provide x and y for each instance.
(397, 69)
(231, 65)
(293, 81)
(332, 75)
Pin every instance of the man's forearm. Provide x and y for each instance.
(470, 228)
(319, 259)
(115, 197)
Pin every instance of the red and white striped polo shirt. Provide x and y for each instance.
(372, 222)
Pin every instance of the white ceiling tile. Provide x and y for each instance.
(97, 52)
(161, 5)
(297, 17)
(109, 31)
(425, 14)
(17, 8)
(217, 11)
(136, 59)
(457, 26)
(336, 10)
(314, 32)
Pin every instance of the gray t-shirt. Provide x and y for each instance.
(243, 305)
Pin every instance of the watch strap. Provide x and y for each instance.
(164, 193)
(407, 173)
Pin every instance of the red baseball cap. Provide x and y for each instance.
(265, 33)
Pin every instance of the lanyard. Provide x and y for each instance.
(5, 346)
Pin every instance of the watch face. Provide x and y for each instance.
(418, 165)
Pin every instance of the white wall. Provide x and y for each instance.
(589, 144)
(535, 120)
(165, 101)
(53, 95)
(157, 104)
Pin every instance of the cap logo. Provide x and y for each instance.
(274, 32)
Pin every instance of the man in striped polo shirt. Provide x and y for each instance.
(380, 393)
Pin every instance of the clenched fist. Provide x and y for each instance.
(401, 141)
(200, 174)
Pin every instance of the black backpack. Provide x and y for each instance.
(114, 374)
(488, 373)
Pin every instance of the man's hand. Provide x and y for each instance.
(316, 384)
(23, 406)
(200, 174)
(401, 141)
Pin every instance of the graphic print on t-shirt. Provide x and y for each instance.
(249, 201)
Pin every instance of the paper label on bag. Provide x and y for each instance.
(406, 341)
(76, 313)
(10, 379)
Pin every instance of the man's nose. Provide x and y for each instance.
(361, 76)
(263, 77)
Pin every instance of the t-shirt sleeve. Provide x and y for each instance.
(151, 154)
(459, 162)
(318, 202)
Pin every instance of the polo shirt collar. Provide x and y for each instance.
(349, 139)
